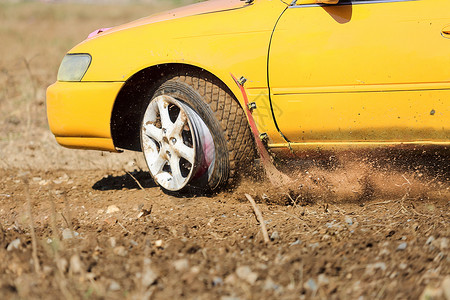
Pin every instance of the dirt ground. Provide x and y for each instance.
(80, 224)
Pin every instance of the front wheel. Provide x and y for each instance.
(194, 134)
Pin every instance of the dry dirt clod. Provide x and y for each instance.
(245, 273)
(114, 286)
(120, 251)
(112, 209)
(149, 276)
(181, 265)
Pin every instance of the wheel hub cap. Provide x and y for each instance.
(177, 144)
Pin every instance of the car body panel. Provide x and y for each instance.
(88, 143)
(82, 109)
(371, 71)
(186, 11)
(235, 41)
(322, 102)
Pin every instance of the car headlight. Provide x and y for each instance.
(73, 67)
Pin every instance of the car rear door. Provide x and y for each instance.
(374, 70)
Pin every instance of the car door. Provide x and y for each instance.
(373, 70)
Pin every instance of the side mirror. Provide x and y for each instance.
(301, 2)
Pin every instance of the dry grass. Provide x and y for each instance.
(34, 38)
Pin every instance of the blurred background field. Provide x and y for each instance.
(34, 36)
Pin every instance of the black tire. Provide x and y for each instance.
(226, 121)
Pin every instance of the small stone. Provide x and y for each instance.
(443, 243)
(231, 279)
(326, 237)
(62, 265)
(429, 240)
(402, 266)
(13, 245)
(149, 277)
(246, 274)
(69, 234)
(311, 285)
(112, 209)
(43, 182)
(297, 242)
(349, 221)
(112, 242)
(402, 246)
(75, 265)
(384, 251)
(372, 268)
(120, 251)
(181, 265)
(114, 286)
(47, 270)
(159, 243)
(270, 285)
(431, 292)
(274, 236)
(314, 245)
(217, 281)
(323, 279)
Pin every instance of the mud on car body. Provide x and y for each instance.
(316, 75)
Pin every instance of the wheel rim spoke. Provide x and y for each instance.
(185, 152)
(152, 131)
(176, 171)
(178, 126)
(158, 164)
(163, 107)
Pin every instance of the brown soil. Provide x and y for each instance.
(161, 247)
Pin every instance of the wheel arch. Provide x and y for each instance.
(132, 99)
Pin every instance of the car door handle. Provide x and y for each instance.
(446, 32)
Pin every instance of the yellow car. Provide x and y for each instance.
(185, 86)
